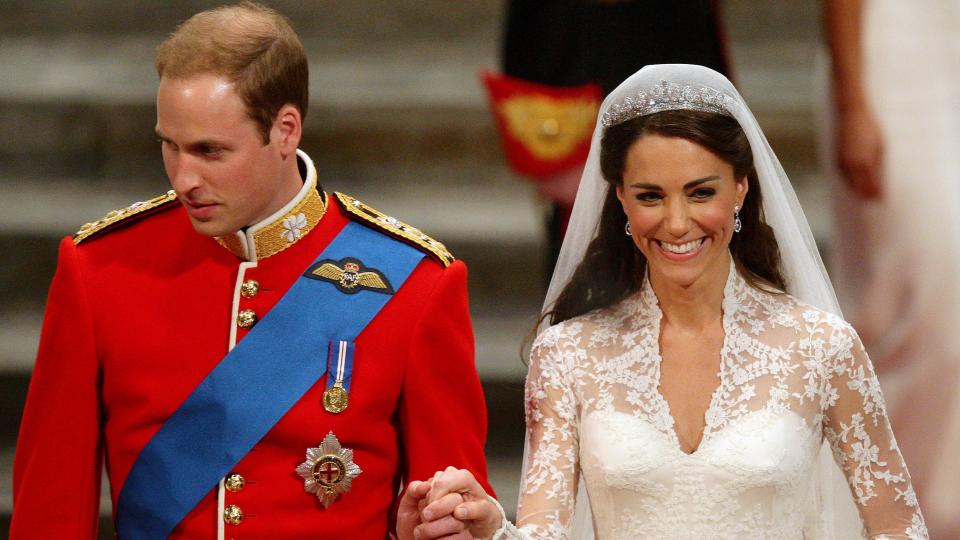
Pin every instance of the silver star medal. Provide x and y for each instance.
(329, 470)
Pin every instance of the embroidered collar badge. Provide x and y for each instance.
(350, 276)
(329, 470)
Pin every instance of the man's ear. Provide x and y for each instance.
(287, 130)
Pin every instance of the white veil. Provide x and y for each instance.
(681, 86)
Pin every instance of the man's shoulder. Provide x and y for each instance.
(120, 218)
(371, 217)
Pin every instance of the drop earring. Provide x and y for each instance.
(626, 229)
(737, 224)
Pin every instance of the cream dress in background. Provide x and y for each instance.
(896, 262)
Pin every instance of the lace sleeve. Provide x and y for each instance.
(858, 430)
(549, 485)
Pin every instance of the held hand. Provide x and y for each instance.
(410, 526)
(408, 513)
(456, 494)
(860, 152)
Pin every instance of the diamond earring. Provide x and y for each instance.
(737, 224)
(626, 229)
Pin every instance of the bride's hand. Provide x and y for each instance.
(456, 492)
(410, 526)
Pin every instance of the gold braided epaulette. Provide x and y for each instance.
(123, 214)
(396, 228)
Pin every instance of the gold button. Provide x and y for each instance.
(233, 514)
(249, 289)
(234, 483)
(246, 318)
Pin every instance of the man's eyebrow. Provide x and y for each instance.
(688, 185)
(193, 144)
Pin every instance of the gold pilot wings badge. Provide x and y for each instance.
(350, 276)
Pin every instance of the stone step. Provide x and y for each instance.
(89, 101)
(343, 22)
(336, 22)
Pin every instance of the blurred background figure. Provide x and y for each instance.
(896, 95)
(568, 43)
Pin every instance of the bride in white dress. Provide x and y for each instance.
(680, 393)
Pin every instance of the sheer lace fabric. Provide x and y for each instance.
(791, 376)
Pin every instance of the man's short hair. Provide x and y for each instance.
(251, 45)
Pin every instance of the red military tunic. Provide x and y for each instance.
(138, 315)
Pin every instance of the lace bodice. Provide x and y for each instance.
(791, 376)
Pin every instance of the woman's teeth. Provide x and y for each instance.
(681, 248)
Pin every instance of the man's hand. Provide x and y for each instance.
(455, 500)
(410, 526)
(408, 513)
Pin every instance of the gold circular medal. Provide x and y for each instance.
(335, 399)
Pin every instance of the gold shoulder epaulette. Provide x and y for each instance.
(396, 228)
(123, 214)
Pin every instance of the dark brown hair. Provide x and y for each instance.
(613, 268)
(251, 45)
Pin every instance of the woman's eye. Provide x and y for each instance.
(648, 196)
(703, 193)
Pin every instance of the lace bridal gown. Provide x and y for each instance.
(790, 376)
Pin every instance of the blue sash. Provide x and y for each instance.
(254, 386)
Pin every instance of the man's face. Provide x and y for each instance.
(214, 155)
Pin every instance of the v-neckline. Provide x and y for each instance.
(705, 432)
(727, 307)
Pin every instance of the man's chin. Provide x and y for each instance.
(212, 228)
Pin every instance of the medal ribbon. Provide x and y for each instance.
(341, 352)
(254, 386)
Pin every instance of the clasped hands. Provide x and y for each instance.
(450, 505)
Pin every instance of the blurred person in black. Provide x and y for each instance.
(567, 43)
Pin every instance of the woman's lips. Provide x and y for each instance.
(683, 251)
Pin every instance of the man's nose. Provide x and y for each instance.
(184, 176)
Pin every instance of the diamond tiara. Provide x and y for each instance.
(668, 96)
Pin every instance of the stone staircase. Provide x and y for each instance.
(397, 119)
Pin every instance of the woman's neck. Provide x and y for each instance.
(694, 307)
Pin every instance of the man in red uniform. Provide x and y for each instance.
(252, 356)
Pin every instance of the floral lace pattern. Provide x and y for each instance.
(791, 377)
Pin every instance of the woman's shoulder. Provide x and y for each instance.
(815, 317)
(784, 309)
(582, 330)
(802, 326)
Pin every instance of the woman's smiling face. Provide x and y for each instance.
(680, 198)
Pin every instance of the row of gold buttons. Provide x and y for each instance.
(232, 514)
(234, 483)
(247, 317)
